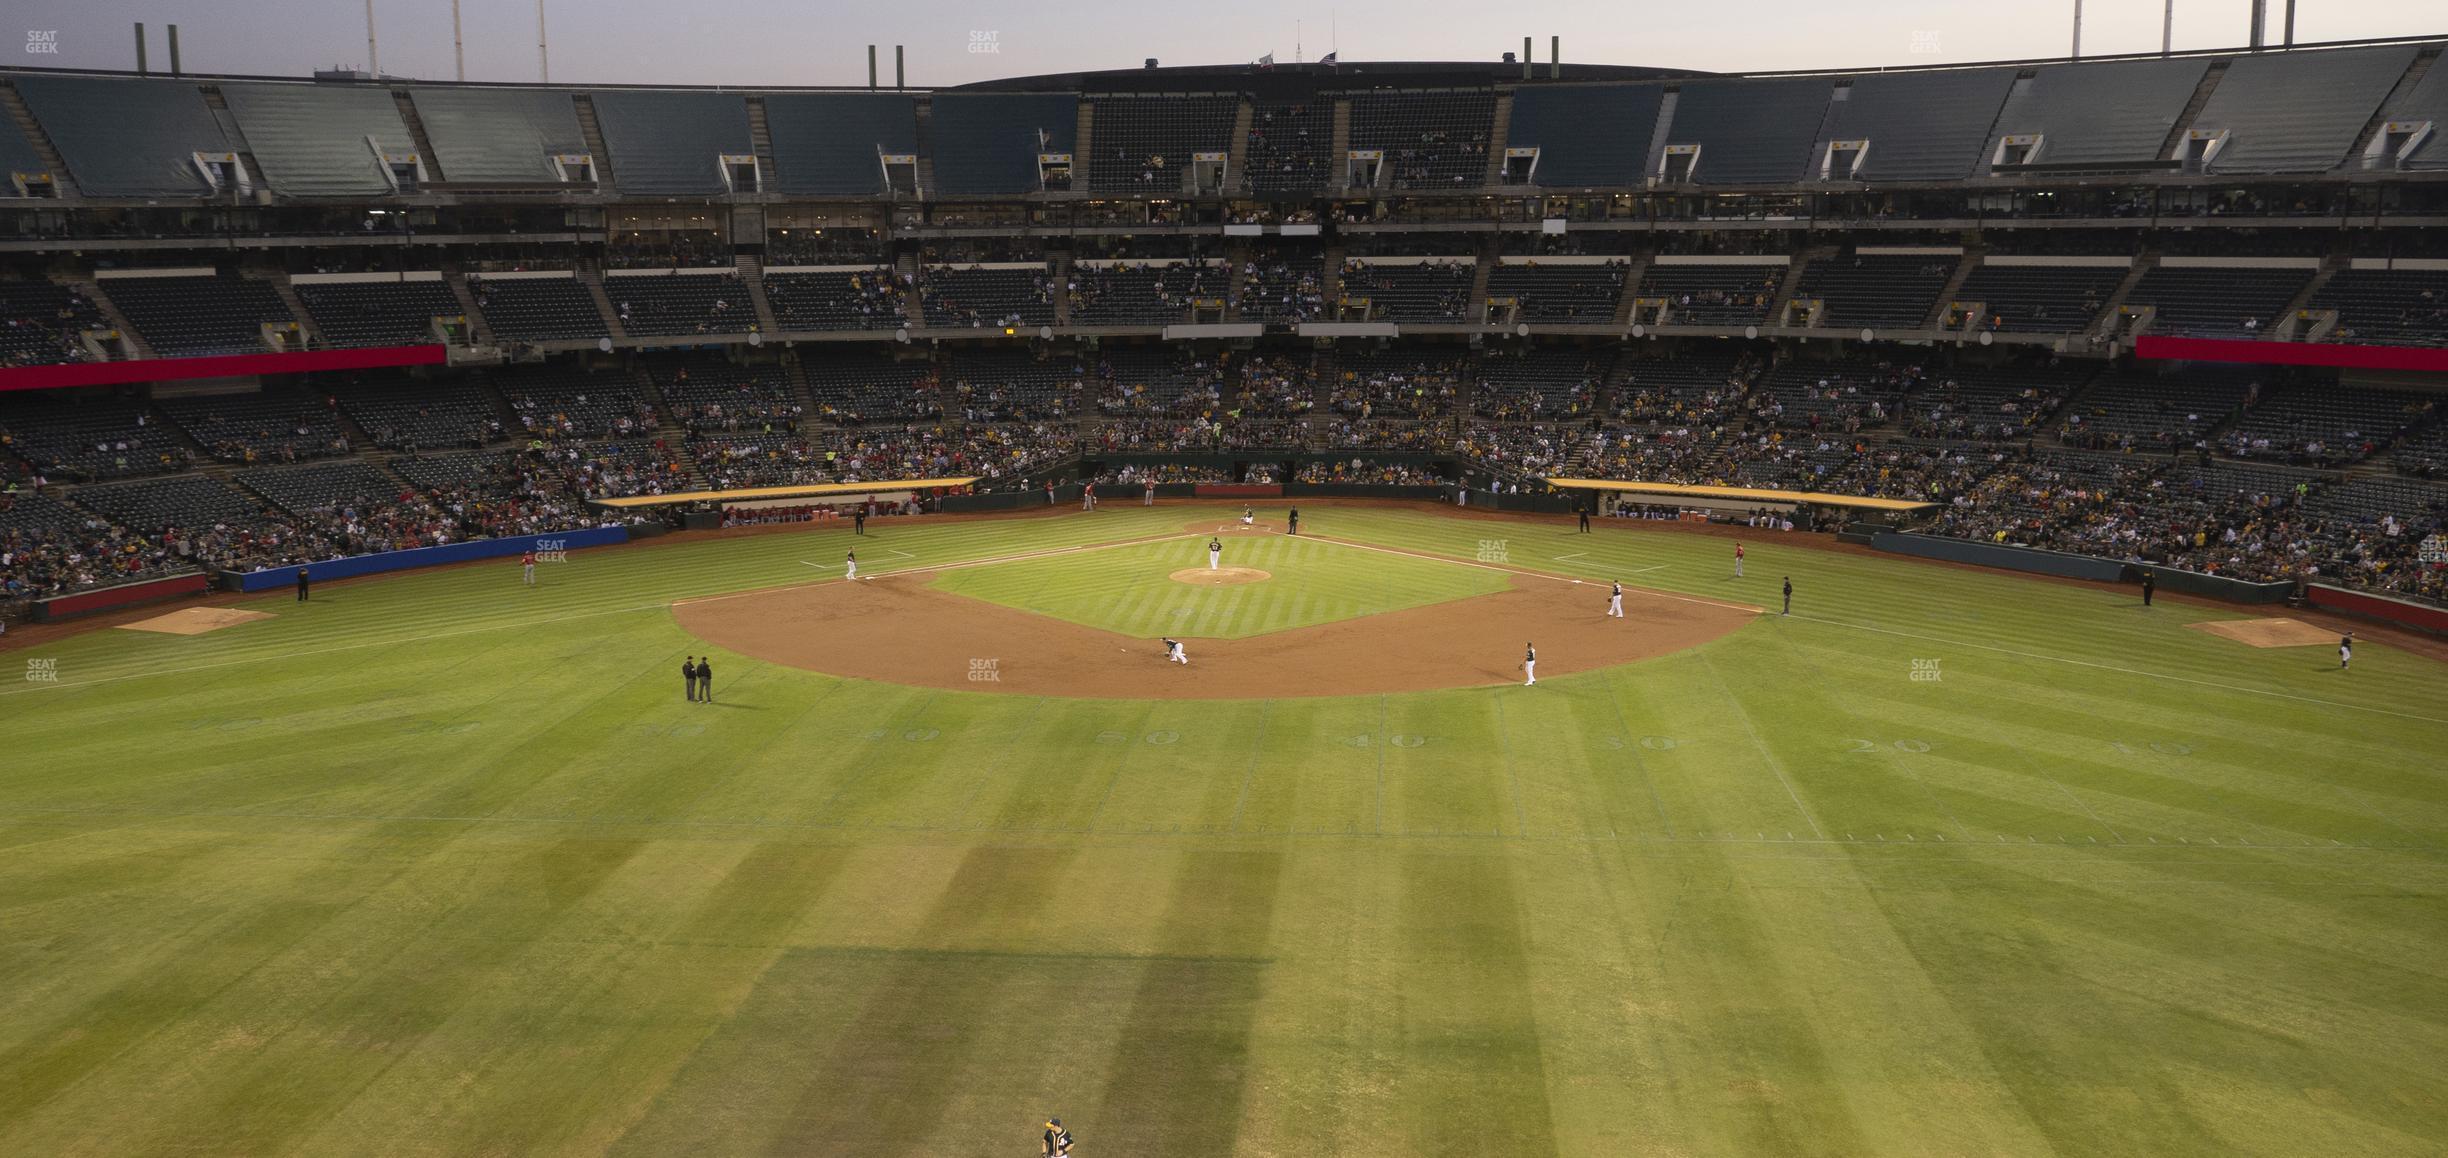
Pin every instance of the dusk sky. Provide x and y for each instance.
(782, 42)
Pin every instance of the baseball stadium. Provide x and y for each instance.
(1475, 607)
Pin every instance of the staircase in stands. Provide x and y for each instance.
(592, 279)
(751, 269)
(416, 135)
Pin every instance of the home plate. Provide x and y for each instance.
(2269, 632)
(195, 620)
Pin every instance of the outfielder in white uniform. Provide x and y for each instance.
(1615, 602)
(1529, 665)
(1173, 651)
(2345, 650)
(1215, 553)
(853, 565)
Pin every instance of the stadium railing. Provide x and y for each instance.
(102, 599)
(352, 566)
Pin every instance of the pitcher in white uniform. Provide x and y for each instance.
(1615, 602)
(1215, 553)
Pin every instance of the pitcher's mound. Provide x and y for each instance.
(195, 620)
(1220, 576)
(2269, 632)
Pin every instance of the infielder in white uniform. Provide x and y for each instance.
(1615, 602)
(1173, 651)
(1215, 553)
(1248, 516)
(1529, 665)
(853, 565)
(2345, 650)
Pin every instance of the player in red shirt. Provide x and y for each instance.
(527, 567)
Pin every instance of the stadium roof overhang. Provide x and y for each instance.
(1737, 494)
(768, 494)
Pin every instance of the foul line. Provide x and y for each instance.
(1020, 557)
(418, 638)
(1536, 574)
(2121, 670)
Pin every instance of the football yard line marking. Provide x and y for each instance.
(987, 562)
(2122, 670)
(1534, 574)
(392, 642)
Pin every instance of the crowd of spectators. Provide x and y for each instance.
(1423, 386)
(1978, 443)
(1367, 471)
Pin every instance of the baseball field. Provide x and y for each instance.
(1944, 862)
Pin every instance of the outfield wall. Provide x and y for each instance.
(124, 595)
(354, 566)
(2032, 560)
(2386, 609)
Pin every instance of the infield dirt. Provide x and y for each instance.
(901, 630)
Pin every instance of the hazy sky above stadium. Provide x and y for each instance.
(777, 42)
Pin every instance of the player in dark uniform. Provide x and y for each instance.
(688, 676)
(705, 680)
(1585, 513)
(2150, 583)
(302, 582)
(1294, 520)
(1056, 1141)
(1788, 595)
(858, 520)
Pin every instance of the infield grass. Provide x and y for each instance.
(1129, 589)
(442, 865)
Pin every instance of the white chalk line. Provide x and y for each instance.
(1536, 574)
(1020, 557)
(417, 638)
(504, 626)
(2122, 670)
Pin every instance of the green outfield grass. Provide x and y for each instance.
(438, 864)
(1128, 589)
